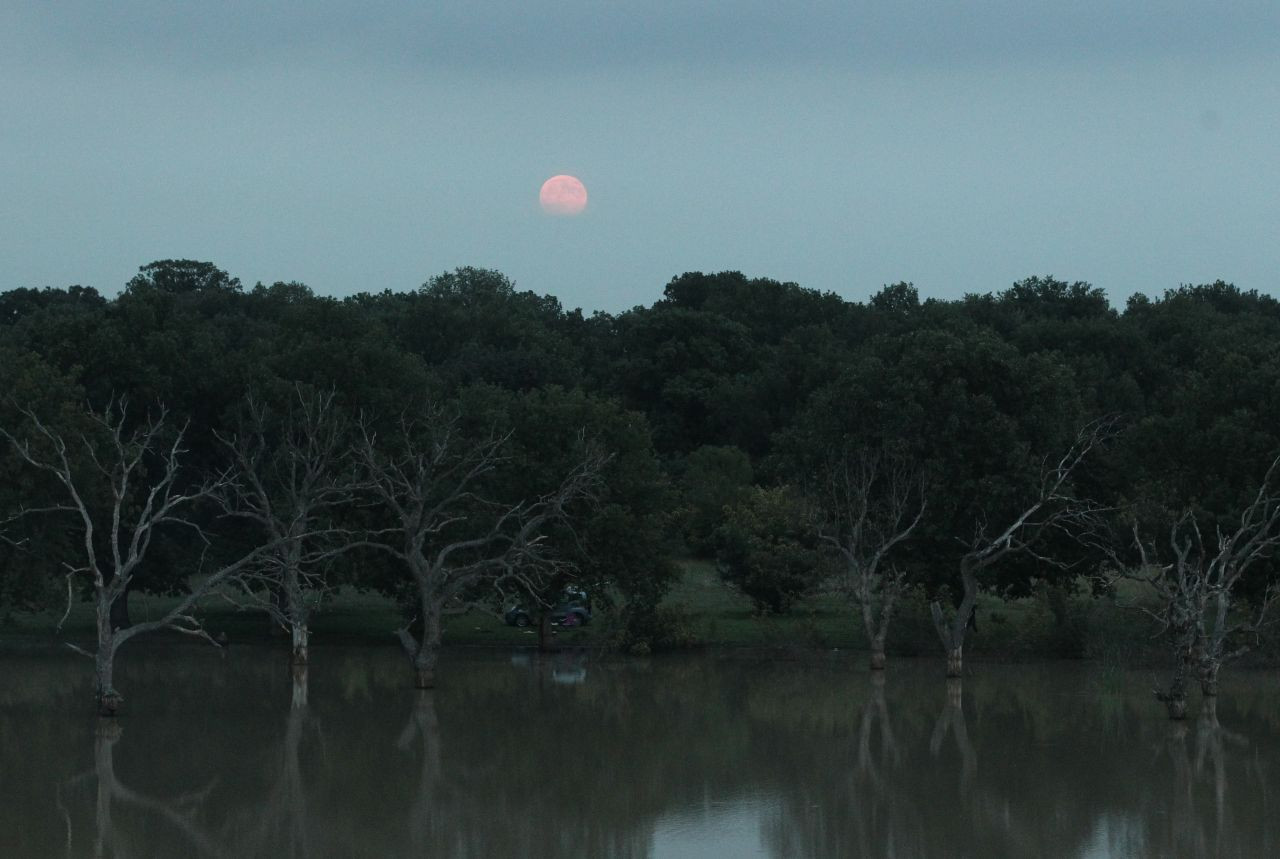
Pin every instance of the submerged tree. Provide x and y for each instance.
(1198, 580)
(1054, 509)
(294, 470)
(450, 535)
(121, 484)
(872, 502)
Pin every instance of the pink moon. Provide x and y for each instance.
(563, 195)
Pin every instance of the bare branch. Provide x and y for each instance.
(1196, 584)
(449, 534)
(872, 501)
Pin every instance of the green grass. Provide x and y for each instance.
(724, 617)
(715, 615)
(1014, 628)
(350, 617)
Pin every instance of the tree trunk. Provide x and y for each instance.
(120, 611)
(300, 654)
(106, 697)
(424, 673)
(424, 662)
(953, 633)
(298, 617)
(1175, 699)
(1209, 666)
(296, 608)
(876, 629)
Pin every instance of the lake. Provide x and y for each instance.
(573, 755)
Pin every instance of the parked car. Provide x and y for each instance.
(572, 610)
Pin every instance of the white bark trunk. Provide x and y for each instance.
(953, 634)
(106, 697)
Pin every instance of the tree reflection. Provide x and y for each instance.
(278, 824)
(1199, 824)
(628, 758)
(876, 712)
(951, 720)
(1053, 784)
(1212, 742)
(180, 814)
(424, 816)
(530, 752)
(850, 795)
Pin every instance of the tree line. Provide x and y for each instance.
(468, 441)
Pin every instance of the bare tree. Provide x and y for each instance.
(1196, 580)
(293, 473)
(445, 530)
(872, 502)
(1054, 508)
(121, 486)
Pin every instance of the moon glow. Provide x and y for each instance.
(563, 195)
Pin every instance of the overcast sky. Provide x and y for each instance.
(842, 145)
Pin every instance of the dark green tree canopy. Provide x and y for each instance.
(723, 381)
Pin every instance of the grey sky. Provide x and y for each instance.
(363, 146)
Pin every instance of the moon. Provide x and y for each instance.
(563, 195)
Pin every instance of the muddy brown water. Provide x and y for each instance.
(571, 755)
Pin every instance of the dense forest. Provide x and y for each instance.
(468, 441)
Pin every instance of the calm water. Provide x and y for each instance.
(571, 756)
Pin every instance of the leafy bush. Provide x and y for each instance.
(642, 630)
(767, 548)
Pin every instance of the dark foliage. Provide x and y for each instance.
(722, 382)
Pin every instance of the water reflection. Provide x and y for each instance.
(951, 721)
(179, 814)
(562, 755)
(875, 713)
(279, 824)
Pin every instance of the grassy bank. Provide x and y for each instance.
(708, 612)
(1022, 628)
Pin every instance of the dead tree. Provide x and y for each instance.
(872, 502)
(447, 531)
(121, 486)
(293, 473)
(1196, 580)
(1054, 508)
